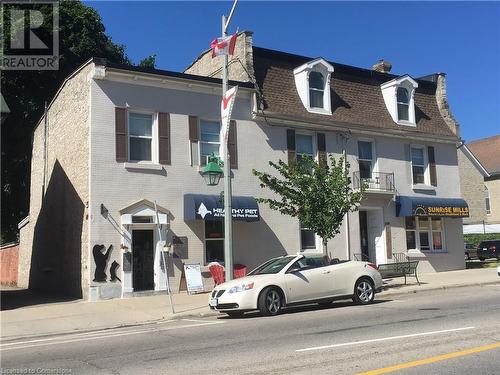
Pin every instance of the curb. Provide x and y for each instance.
(444, 287)
(211, 313)
(176, 316)
(5, 339)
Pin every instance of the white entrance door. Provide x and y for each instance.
(376, 241)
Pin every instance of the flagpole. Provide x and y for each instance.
(228, 224)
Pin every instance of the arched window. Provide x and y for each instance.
(403, 99)
(487, 200)
(316, 90)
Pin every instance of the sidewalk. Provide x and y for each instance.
(65, 317)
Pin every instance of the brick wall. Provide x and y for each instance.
(9, 257)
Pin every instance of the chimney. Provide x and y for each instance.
(382, 66)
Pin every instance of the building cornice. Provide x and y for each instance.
(276, 119)
(160, 81)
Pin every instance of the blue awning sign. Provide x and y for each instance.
(436, 207)
(211, 207)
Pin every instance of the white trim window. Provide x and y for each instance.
(307, 238)
(403, 101)
(418, 165)
(209, 139)
(141, 137)
(304, 146)
(214, 241)
(486, 193)
(365, 159)
(424, 234)
(312, 81)
(316, 89)
(399, 99)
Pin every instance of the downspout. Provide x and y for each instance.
(347, 225)
(45, 124)
(345, 139)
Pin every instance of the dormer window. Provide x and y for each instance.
(398, 97)
(316, 89)
(312, 81)
(403, 98)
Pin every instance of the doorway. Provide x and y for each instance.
(363, 235)
(142, 260)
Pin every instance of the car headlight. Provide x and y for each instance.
(240, 288)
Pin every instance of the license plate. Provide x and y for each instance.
(213, 302)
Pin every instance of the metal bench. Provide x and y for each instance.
(398, 269)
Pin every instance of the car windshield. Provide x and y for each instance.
(272, 266)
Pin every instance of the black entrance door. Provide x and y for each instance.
(363, 235)
(143, 260)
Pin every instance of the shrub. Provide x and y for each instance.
(477, 238)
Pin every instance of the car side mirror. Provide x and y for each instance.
(294, 270)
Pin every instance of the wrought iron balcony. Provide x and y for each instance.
(379, 181)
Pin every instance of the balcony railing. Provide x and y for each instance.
(379, 181)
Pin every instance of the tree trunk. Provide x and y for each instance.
(325, 247)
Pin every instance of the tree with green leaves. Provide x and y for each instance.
(319, 195)
(148, 62)
(81, 36)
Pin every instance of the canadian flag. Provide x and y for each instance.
(226, 107)
(223, 46)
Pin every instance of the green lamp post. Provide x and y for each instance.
(212, 172)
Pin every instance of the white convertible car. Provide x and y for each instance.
(290, 280)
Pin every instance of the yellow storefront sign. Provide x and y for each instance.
(442, 211)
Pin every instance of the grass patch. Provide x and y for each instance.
(471, 264)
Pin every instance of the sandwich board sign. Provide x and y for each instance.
(194, 280)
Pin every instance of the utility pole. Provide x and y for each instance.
(228, 212)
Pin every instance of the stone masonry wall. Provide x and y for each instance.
(494, 190)
(444, 106)
(240, 65)
(471, 186)
(54, 244)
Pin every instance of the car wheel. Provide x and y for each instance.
(364, 292)
(235, 314)
(467, 256)
(270, 301)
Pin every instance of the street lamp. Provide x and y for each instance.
(212, 172)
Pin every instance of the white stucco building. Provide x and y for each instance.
(121, 138)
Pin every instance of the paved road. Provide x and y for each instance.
(455, 331)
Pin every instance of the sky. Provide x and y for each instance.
(461, 39)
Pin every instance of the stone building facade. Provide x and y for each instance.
(54, 238)
(487, 152)
(472, 185)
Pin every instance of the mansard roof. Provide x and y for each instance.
(356, 96)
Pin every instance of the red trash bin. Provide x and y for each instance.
(239, 270)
